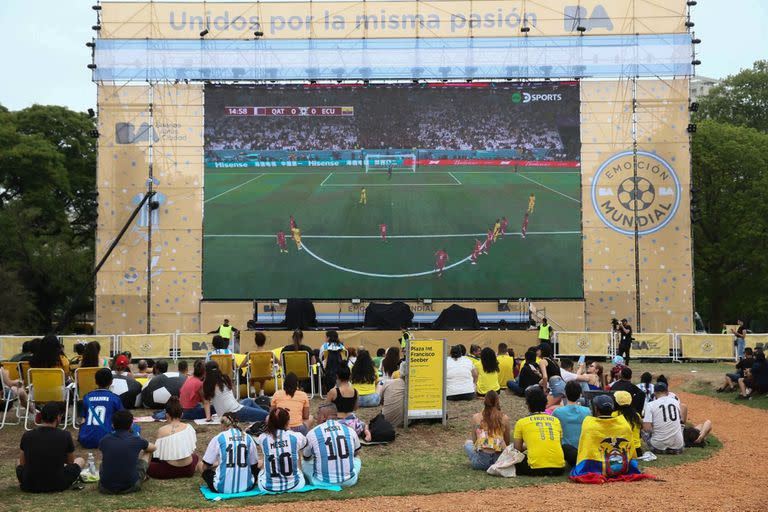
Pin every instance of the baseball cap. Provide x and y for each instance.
(623, 398)
(122, 360)
(660, 386)
(557, 386)
(617, 360)
(603, 404)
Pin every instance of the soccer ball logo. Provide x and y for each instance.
(638, 191)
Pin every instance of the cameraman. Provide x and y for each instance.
(625, 343)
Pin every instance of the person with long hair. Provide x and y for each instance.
(624, 402)
(191, 393)
(230, 462)
(528, 376)
(296, 402)
(390, 364)
(489, 434)
(48, 354)
(91, 357)
(460, 376)
(344, 397)
(280, 469)
(175, 455)
(217, 392)
(298, 346)
(547, 366)
(488, 372)
(363, 378)
(646, 386)
(593, 375)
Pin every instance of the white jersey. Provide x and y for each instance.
(282, 461)
(333, 446)
(235, 453)
(664, 414)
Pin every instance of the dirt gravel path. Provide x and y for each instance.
(732, 479)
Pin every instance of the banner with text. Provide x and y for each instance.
(193, 345)
(651, 345)
(583, 343)
(707, 346)
(426, 380)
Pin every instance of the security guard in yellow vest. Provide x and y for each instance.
(545, 332)
(226, 331)
(407, 336)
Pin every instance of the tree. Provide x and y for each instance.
(740, 99)
(730, 187)
(47, 209)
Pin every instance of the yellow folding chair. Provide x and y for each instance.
(321, 367)
(227, 366)
(9, 396)
(47, 385)
(298, 362)
(261, 368)
(23, 370)
(85, 382)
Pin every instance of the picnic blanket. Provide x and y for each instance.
(214, 496)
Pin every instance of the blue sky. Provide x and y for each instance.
(45, 56)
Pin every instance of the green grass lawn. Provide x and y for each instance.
(425, 459)
(424, 211)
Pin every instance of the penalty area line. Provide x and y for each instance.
(233, 188)
(454, 177)
(326, 178)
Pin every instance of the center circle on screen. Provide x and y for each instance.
(655, 193)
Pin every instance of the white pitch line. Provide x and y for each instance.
(551, 189)
(354, 237)
(326, 178)
(392, 185)
(233, 188)
(454, 177)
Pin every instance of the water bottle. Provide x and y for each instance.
(91, 464)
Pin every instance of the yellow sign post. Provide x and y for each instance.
(425, 380)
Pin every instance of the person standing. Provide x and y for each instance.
(545, 332)
(227, 332)
(441, 258)
(625, 342)
(47, 461)
(363, 196)
(281, 243)
(383, 232)
(741, 334)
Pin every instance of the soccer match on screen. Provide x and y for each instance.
(412, 255)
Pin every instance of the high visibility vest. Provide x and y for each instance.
(225, 331)
(404, 339)
(544, 332)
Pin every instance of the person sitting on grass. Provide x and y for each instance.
(191, 393)
(296, 402)
(489, 434)
(571, 417)
(280, 469)
(529, 374)
(696, 436)
(755, 379)
(731, 382)
(662, 423)
(556, 396)
(183, 368)
(99, 406)
(218, 396)
(541, 435)
(646, 386)
(460, 376)
(593, 375)
(627, 410)
(175, 456)
(122, 366)
(229, 465)
(124, 457)
(330, 456)
(344, 397)
(143, 370)
(47, 460)
(488, 372)
(364, 377)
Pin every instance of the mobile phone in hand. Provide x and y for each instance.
(582, 358)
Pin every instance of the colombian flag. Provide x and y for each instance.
(605, 452)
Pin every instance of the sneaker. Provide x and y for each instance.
(742, 397)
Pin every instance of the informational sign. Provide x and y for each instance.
(651, 345)
(425, 380)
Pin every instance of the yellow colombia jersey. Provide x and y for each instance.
(506, 369)
(487, 381)
(542, 435)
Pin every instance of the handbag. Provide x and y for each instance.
(505, 464)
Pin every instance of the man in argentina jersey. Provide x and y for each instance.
(282, 460)
(331, 449)
(230, 460)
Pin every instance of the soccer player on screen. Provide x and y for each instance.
(363, 196)
(496, 230)
(291, 223)
(503, 226)
(441, 258)
(476, 252)
(389, 170)
(488, 241)
(281, 243)
(524, 227)
(383, 231)
(531, 203)
(296, 232)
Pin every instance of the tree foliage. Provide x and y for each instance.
(47, 213)
(740, 99)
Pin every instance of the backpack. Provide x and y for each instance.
(382, 430)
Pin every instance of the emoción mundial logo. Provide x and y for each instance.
(655, 192)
